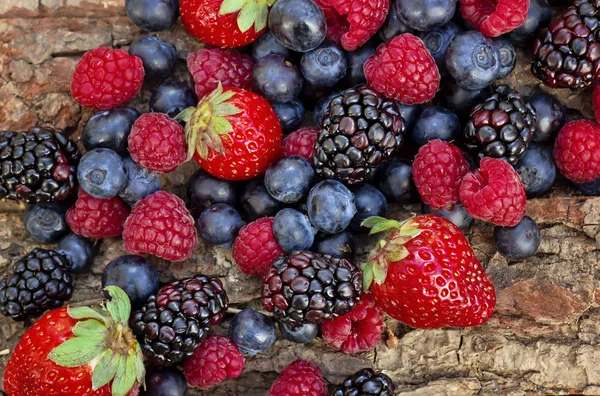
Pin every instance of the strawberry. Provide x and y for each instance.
(233, 134)
(424, 273)
(225, 23)
(78, 351)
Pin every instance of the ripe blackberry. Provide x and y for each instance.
(173, 323)
(37, 166)
(40, 281)
(566, 54)
(366, 382)
(501, 127)
(361, 129)
(307, 287)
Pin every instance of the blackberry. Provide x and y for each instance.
(173, 323)
(37, 166)
(566, 54)
(501, 127)
(366, 382)
(40, 281)
(307, 287)
(361, 129)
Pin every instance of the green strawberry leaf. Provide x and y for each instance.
(90, 326)
(231, 6)
(261, 18)
(396, 254)
(125, 378)
(225, 109)
(380, 270)
(119, 305)
(140, 368)
(105, 369)
(86, 313)
(247, 16)
(372, 221)
(408, 231)
(384, 226)
(78, 351)
(367, 269)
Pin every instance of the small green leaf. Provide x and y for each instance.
(77, 351)
(367, 269)
(140, 368)
(409, 232)
(380, 271)
(186, 115)
(220, 126)
(247, 16)
(396, 254)
(384, 226)
(125, 378)
(202, 148)
(214, 142)
(225, 109)
(105, 369)
(231, 6)
(191, 138)
(86, 313)
(119, 305)
(91, 326)
(372, 221)
(261, 18)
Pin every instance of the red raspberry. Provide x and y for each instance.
(494, 17)
(352, 23)
(106, 78)
(97, 218)
(157, 143)
(161, 225)
(494, 193)
(300, 378)
(596, 102)
(213, 362)
(403, 69)
(358, 331)
(438, 170)
(577, 151)
(301, 143)
(255, 247)
(208, 66)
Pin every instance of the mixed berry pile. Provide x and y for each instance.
(307, 118)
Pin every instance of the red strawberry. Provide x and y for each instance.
(425, 274)
(78, 351)
(233, 134)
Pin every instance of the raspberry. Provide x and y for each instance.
(157, 143)
(255, 247)
(438, 170)
(106, 78)
(351, 23)
(577, 151)
(494, 17)
(97, 218)
(210, 65)
(494, 193)
(596, 102)
(161, 225)
(301, 143)
(213, 362)
(358, 331)
(403, 69)
(300, 378)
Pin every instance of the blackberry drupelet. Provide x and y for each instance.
(361, 129)
(366, 382)
(40, 281)
(306, 287)
(37, 166)
(566, 54)
(500, 127)
(173, 323)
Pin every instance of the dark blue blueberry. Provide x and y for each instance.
(219, 225)
(330, 206)
(508, 57)
(590, 188)
(342, 245)
(164, 381)
(537, 169)
(324, 66)
(550, 116)
(291, 115)
(289, 180)
(140, 183)
(410, 113)
(369, 202)
(455, 213)
(292, 230)
(159, 57)
(256, 202)
(267, 45)
(45, 222)
(110, 129)
(539, 15)
(302, 335)
(395, 181)
(298, 24)
(172, 98)
(392, 26)
(355, 74)
(204, 190)
(277, 79)
(460, 100)
(473, 60)
(519, 242)
(438, 40)
(252, 332)
(101, 173)
(78, 250)
(135, 275)
(152, 15)
(435, 123)
(322, 106)
(425, 15)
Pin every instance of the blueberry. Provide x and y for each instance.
(341, 245)
(45, 222)
(110, 129)
(369, 202)
(289, 180)
(473, 60)
(152, 15)
(590, 188)
(355, 74)
(519, 242)
(135, 275)
(550, 116)
(252, 332)
(537, 169)
(101, 173)
(435, 123)
(392, 26)
(508, 57)
(159, 57)
(425, 15)
(460, 100)
(78, 250)
(330, 206)
(172, 98)
(219, 225)
(204, 190)
(395, 181)
(292, 230)
(438, 40)
(277, 79)
(539, 15)
(302, 335)
(267, 45)
(256, 202)
(455, 213)
(140, 183)
(298, 24)
(323, 105)
(164, 381)
(291, 115)
(410, 113)
(324, 66)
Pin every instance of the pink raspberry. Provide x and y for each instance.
(494, 17)
(97, 218)
(255, 247)
(301, 143)
(577, 151)
(300, 378)
(213, 362)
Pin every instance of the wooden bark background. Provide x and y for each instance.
(543, 337)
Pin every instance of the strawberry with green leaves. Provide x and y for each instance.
(79, 351)
(424, 273)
